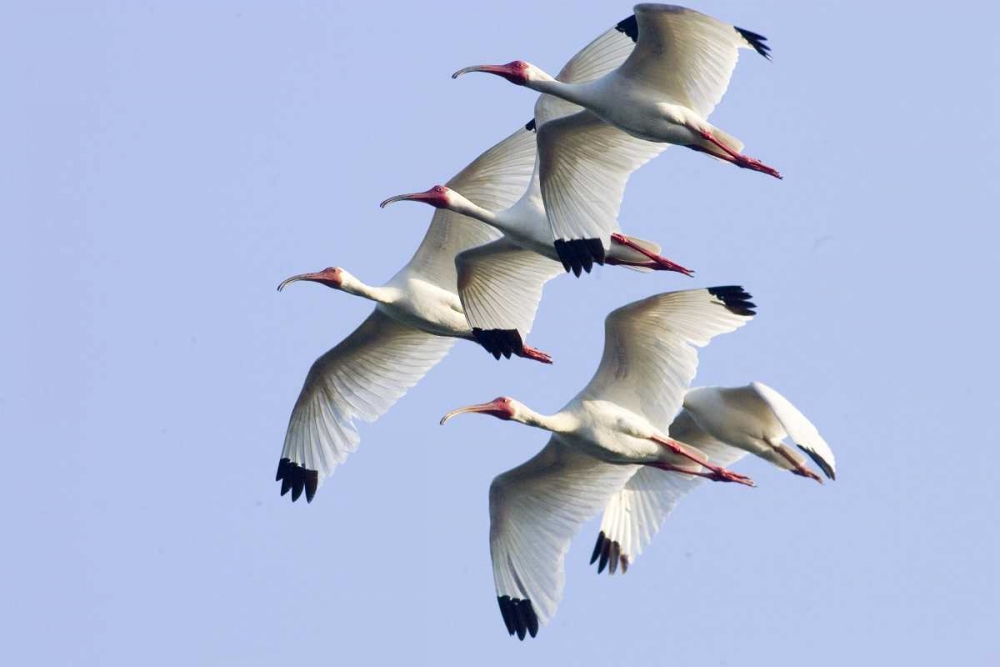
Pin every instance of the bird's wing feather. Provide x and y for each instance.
(635, 514)
(361, 378)
(601, 56)
(797, 425)
(535, 509)
(500, 285)
(494, 180)
(685, 55)
(584, 166)
(649, 355)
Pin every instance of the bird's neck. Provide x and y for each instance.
(571, 92)
(473, 210)
(557, 423)
(354, 286)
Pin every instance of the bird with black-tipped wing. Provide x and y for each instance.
(617, 425)
(661, 94)
(417, 317)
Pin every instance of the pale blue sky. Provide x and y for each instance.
(164, 165)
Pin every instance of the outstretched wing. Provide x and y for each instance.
(687, 56)
(601, 56)
(495, 180)
(649, 348)
(535, 509)
(500, 285)
(584, 167)
(634, 515)
(797, 425)
(361, 378)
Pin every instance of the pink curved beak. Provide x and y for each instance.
(500, 70)
(428, 196)
(324, 277)
(490, 408)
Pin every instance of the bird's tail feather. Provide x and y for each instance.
(630, 256)
(726, 139)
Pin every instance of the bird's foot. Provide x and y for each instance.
(532, 353)
(657, 262)
(747, 162)
(723, 475)
(806, 472)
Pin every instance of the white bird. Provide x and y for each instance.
(417, 317)
(525, 224)
(614, 427)
(662, 94)
(756, 419)
(724, 423)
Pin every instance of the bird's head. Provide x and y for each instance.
(518, 72)
(440, 196)
(332, 276)
(505, 408)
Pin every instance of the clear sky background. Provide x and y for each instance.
(164, 165)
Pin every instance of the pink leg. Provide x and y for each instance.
(744, 161)
(659, 263)
(717, 473)
(799, 469)
(537, 355)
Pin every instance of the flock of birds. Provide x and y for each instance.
(542, 202)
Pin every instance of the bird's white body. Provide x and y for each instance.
(757, 419)
(720, 412)
(425, 306)
(608, 432)
(637, 109)
(524, 223)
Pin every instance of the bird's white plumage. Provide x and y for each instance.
(649, 355)
(497, 178)
(635, 514)
(649, 360)
(535, 509)
(364, 375)
(799, 428)
(585, 164)
(486, 308)
(601, 56)
(361, 378)
(500, 285)
(683, 55)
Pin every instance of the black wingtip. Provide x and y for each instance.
(630, 27)
(735, 299)
(579, 255)
(499, 342)
(530, 125)
(297, 479)
(756, 41)
(824, 466)
(610, 554)
(519, 616)
(598, 547)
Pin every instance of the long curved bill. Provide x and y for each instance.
(501, 70)
(294, 279)
(413, 196)
(488, 408)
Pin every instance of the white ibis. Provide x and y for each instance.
(724, 423)
(662, 94)
(614, 427)
(525, 224)
(756, 419)
(417, 317)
